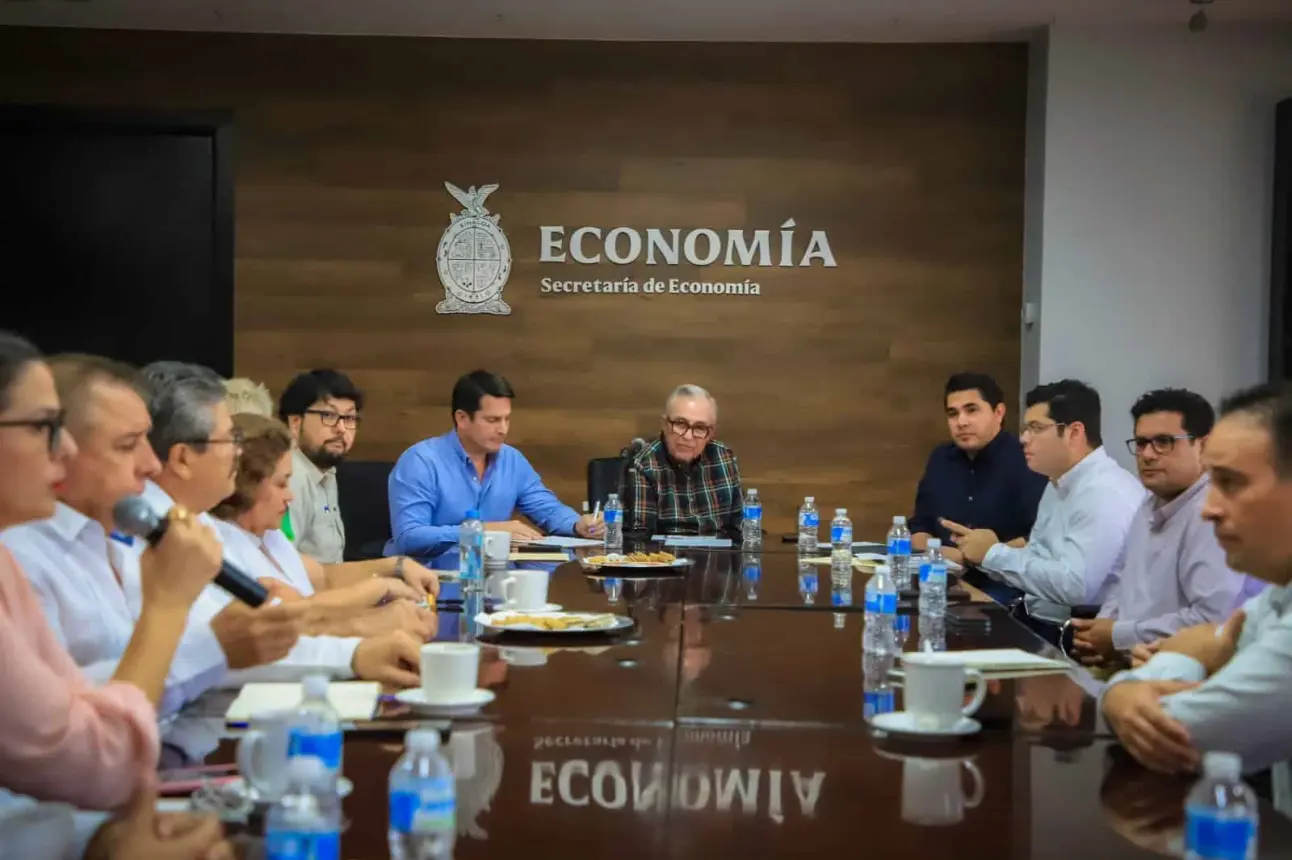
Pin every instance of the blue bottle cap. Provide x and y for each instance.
(473, 514)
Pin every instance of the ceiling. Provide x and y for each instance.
(707, 20)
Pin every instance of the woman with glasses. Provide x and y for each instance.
(60, 738)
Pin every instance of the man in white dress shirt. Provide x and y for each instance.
(1226, 687)
(1084, 514)
(86, 576)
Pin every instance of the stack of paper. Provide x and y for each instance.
(538, 556)
(693, 541)
(353, 700)
(997, 662)
(564, 542)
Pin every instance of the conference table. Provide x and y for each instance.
(730, 720)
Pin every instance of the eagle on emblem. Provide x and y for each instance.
(472, 200)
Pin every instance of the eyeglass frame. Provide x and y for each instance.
(53, 427)
(1029, 428)
(351, 422)
(1133, 446)
(686, 425)
(236, 438)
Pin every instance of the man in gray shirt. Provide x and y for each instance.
(1172, 574)
(1213, 687)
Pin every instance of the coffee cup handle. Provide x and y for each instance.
(980, 692)
(248, 746)
(506, 589)
(975, 796)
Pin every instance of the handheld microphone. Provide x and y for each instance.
(633, 448)
(134, 516)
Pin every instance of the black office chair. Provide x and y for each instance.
(603, 479)
(361, 487)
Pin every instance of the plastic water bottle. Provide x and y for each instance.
(808, 583)
(841, 535)
(751, 568)
(809, 526)
(614, 522)
(933, 633)
(1220, 815)
(471, 552)
(305, 823)
(933, 582)
(881, 612)
(315, 727)
(901, 632)
(751, 529)
(899, 553)
(878, 689)
(423, 800)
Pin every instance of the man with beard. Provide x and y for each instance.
(321, 409)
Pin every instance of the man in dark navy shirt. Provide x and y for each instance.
(980, 476)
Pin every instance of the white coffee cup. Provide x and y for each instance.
(933, 791)
(262, 753)
(934, 687)
(449, 670)
(497, 547)
(525, 589)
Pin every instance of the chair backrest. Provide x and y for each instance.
(603, 478)
(361, 488)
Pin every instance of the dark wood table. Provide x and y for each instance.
(724, 726)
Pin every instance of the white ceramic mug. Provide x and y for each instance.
(525, 589)
(934, 687)
(933, 791)
(497, 547)
(449, 670)
(262, 753)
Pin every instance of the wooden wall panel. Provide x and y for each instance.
(909, 156)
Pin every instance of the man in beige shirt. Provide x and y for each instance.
(321, 408)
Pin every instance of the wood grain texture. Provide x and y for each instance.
(909, 156)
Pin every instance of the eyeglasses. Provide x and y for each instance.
(1036, 428)
(52, 426)
(236, 438)
(680, 426)
(331, 419)
(1161, 444)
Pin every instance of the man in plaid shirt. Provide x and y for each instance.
(686, 482)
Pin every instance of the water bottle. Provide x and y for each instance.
(899, 553)
(614, 522)
(1220, 814)
(881, 612)
(751, 529)
(933, 582)
(878, 689)
(809, 526)
(305, 823)
(315, 727)
(901, 632)
(471, 553)
(423, 800)
(841, 590)
(841, 536)
(807, 583)
(751, 567)
(933, 633)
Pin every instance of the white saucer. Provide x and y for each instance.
(472, 701)
(903, 723)
(546, 607)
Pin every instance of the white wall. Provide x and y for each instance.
(1153, 222)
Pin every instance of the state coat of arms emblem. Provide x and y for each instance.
(473, 259)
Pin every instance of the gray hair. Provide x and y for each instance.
(181, 403)
(688, 391)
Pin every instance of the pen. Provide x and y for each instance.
(596, 512)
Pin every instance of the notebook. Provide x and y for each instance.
(353, 700)
(998, 662)
(538, 556)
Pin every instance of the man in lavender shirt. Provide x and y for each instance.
(1173, 573)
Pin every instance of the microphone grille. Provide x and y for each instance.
(134, 516)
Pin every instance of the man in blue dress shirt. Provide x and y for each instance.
(980, 479)
(438, 480)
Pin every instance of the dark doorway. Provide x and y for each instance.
(116, 233)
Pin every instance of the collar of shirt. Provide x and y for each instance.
(309, 467)
(658, 452)
(455, 444)
(1089, 464)
(1160, 514)
(70, 523)
(990, 450)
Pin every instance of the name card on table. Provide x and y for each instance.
(693, 541)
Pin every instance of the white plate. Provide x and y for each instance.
(903, 723)
(492, 621)
(473, 701)
(546, 607)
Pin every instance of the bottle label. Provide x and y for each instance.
(899, 546)
(302, 845)
(879, 702)
(902, 624)
(933, 573)
(1216, 838)
(841, 534)
(326, 747)
(611, 516)
(881, 603)
(753, 512)
(427, 808)
(809, 520)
